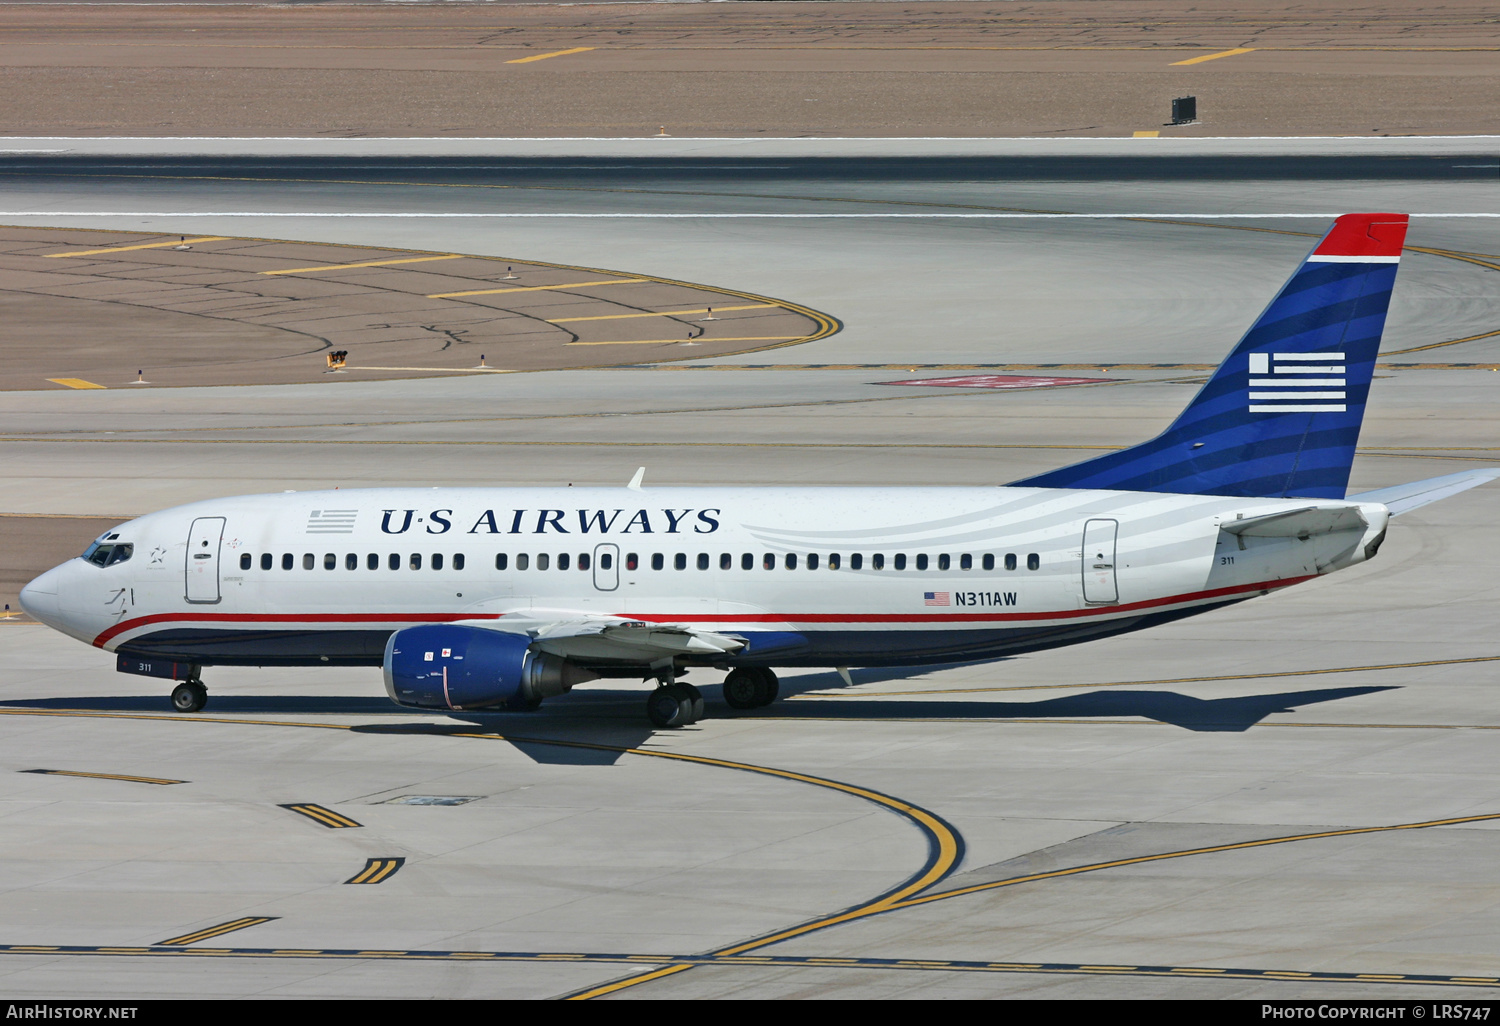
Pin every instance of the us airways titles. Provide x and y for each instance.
(556, 521)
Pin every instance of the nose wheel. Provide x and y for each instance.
(189, 696)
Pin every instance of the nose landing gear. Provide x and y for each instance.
(189, 696)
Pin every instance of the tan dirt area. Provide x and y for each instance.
(1095, 67)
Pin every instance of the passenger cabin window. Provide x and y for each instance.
(900, 561)
(501, 561)
(245, 561)
(372, 561)
(562, 560)
(989, 561)
(812, 560)
(791, 561)
(680, 561)
(265, 561)
(458, 561)
(966, 562)
(703, 561)
(307, 560)
(416, 561)
(583, 560)
(833, 561)
(606, 562)
(351, 561)
(1010, 561)
(1033, 561)
(922, 561)
(878, 561)
(286, 561)
(747, 561)
(394, 562)
(856, 561)
(522, 561)
(726, 561)
(541, 561)
(632, 561)
(656, 561)
(770, 561)
(437, 560)
(943, 563)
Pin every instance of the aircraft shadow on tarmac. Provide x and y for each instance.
(613, 720)
(1196, 714)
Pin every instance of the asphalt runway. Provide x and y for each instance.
(1295, 797)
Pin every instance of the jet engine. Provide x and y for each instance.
(443, 666)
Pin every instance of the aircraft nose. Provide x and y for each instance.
(39, 598)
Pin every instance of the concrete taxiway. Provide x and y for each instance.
(1292, 797)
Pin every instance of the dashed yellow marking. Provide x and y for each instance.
(318, 814)
(148, 245)
(668, 341)
(104, 776)
(537, 288)
(1215, 56)
(554, 53)
(74, 383)
(377, 871)
(661, 313)
(367, 263)
(1145, 135)
(215, 931)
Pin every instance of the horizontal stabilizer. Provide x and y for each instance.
(1298, 523)
(1405, 498)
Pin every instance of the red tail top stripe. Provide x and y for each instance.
(1364, 235)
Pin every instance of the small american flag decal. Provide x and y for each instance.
(934, 598)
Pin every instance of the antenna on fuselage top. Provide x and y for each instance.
(635, 482)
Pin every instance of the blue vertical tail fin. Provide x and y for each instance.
(1281, 415)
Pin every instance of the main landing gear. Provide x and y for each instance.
(189, 696)
(750, 687)
(675, 705)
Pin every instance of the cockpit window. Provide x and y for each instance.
(104, 553)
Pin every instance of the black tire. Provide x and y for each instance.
(666, 707)
(695, 701)
(742, 688)
(770, 687)
(189, 696)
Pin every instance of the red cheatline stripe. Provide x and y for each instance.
(952, 618)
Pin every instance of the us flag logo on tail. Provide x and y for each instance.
(1297, 382)
(934, 598)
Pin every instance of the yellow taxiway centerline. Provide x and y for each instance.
(367, 263)
(660, 313)
(669, 341)
(148, 245)
(554, 53)
(537, 288)
(1215, 56)
(74, 383)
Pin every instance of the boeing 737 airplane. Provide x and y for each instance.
(497, 598)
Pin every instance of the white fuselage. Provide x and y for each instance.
(820, 576)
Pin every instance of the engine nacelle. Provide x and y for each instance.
(442, 666)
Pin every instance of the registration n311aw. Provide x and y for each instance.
(498, 598)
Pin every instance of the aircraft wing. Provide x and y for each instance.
(1405, 498)
(614, 639)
